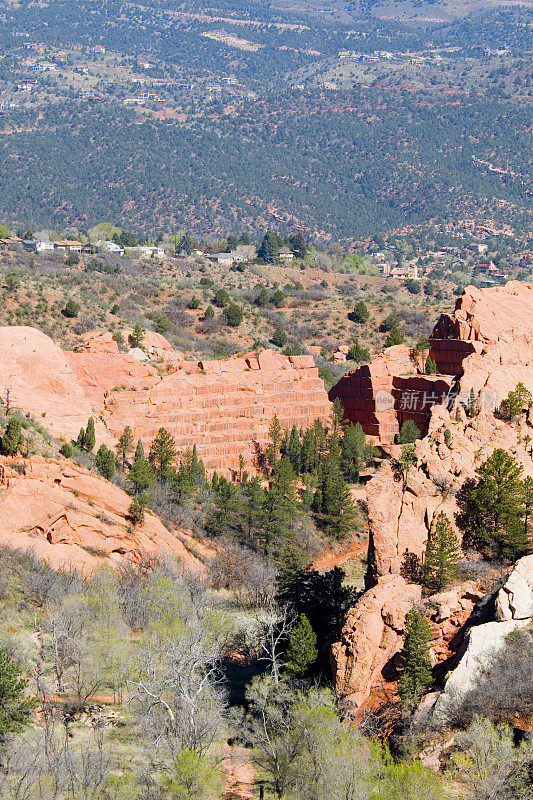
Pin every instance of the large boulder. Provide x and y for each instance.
(372, 635)
(515, 599)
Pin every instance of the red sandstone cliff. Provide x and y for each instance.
(224, 407)
(487, 345)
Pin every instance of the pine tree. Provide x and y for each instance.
(337, 415)
(441, 556)
(416, 661)
(360, 314)
(354, 451)
(301, 651)
(162, 454)
(89, 438)
(491, 507)
(275, 435)
(294, 450)
(15, 710)
(105, 461)
(12, 438)
(141, 475)
(336, 504)
(136, 336)
(309, 451)
(409, 432)
(268, 250)
(472, 404)
(430, 367)
(125, 444)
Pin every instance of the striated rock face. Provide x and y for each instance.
(366, 393)
(372, 635)
(486, 344)
(71, 517)
(224, 407)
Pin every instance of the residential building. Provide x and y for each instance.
(39, 247)
(68, 245)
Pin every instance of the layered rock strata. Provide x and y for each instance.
(486, 344)
(224, 407)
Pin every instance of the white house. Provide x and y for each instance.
(39, 247)
(113, 247)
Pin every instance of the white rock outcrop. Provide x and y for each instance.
(515, 599)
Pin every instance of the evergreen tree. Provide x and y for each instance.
(515, 402)
(15, 709)
(141, 476)
(279, 337)
(395, 337)
(12, 439)
(105, 461)
(275, 434)
(360, 313)
(136, 336)
(190, 475)
(354, 451)
(416, 661)
(301, 651)
(430, 367)
(333, 500)
(136, 511)
(472, 404)
(233, 314)
(309, 451)
(89, 438)
(298, 244)
(324, 599)
(81, 438)
(337, 415)
(268, 250)
(294, 450)
(125, 444)
(162, 454)
(492, 506)
(409, 432)
(441, 556)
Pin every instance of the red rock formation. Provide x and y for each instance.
(224, 407)
(41, 382)
(367, 393)
(486, 344)
(371, 636)
(73, 518)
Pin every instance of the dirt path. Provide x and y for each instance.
(239, 772)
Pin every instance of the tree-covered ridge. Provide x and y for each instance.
(340, 172)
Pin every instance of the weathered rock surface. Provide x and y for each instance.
(224, 407)
(515, 599)
(400, 518)
(483, 642)
(41, 382)
(364, 661)
(372, 635)
(71, 517)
